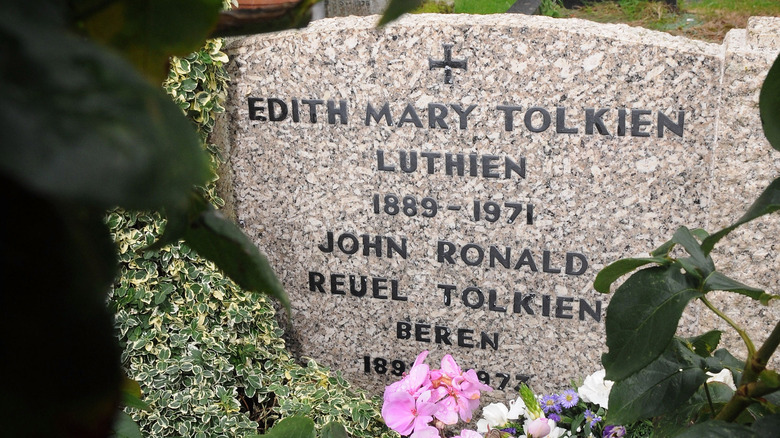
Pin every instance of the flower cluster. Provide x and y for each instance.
(535, 417)
(425, 400)
(568, 414)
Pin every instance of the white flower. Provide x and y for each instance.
(555, 431)
(595, 389)
(493, 415)
(517, 409)
(723, 377)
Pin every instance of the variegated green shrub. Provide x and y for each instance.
(197, 344)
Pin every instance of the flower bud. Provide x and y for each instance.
(538, 428)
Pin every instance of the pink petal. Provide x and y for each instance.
(420, 358)
(447, 412)
(425, 432)
(397, 412)
(449, 366)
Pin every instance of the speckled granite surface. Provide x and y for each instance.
(743, 165)
(562, 118)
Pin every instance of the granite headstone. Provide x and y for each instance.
(344, 8)
(454, 183)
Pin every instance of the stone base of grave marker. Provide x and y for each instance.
(453, 183)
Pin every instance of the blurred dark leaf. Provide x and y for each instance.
(333, 430)
(57, 334)
(221, 241)
(291, 427)
(149, 32)
(81, 125)
(396, 8)
(717, 429)
(769, 105)
(125, 427)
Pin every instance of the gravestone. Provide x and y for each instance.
(344, 8)
(454, 183)
(528, 7)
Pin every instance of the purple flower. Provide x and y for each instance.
(550, 404)
(591, 417)
(554, 417)
(510, 430)
(568, 399)
(613, 431)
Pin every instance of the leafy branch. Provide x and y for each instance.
(656, 372)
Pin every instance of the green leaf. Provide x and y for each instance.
(125, 427)
(770, 377)
(221, 241)
(82, 126)
(734, 365)
(718, 281)
(697, 407)
(613, 271)
(642, 318)
(705, 344)
(149, 32)
(663, 249)
(767, 426)
(768, 202)
(764, 407)
(396, 8)
(702, 263)
(178, 220)
(291, 427)
(660, 387)
(717, 429)
(769, 105)
(189, 85)
(667, 247)
(333, 430)
(131, 395)
(690, 267)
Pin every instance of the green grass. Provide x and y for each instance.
(482, 6)
(754, 7)
(707, 20)
(434, 8)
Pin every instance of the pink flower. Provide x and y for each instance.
(448, 406)
(538, 428)
(414, 383)
(446, 394)
(409, 416)
(460, 391)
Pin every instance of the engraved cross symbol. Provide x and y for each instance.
(447, 64)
